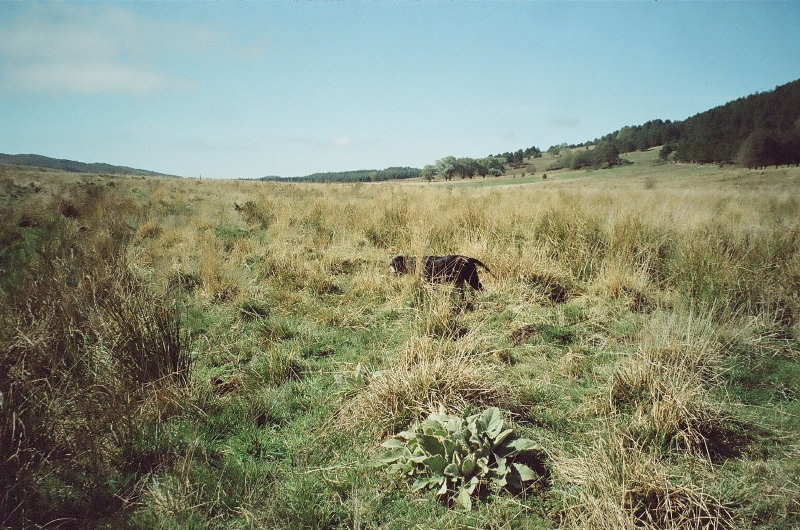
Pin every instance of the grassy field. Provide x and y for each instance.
(230, 354)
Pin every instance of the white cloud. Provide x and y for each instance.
(342, 141)
(86, 78)
(92, 49)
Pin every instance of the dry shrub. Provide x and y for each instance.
(666, 388)
(429, 374)
(616, 484)
(150, 229)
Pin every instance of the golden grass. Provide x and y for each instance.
(617, 484)
(618, 306)
(429, 374)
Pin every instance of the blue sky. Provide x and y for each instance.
(227, 89)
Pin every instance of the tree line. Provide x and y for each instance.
(363, 175)
(602, 155)
(467, 167)
(754, 131)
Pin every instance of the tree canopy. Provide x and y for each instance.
(757, 130)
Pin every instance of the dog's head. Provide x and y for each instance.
(401, 265)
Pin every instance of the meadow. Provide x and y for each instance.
(232, 354)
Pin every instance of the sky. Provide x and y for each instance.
(245, 90)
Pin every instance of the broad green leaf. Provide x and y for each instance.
(478, 423)
(455, 424)
(419, 459)
(392, 455)
(474, 439)
(432, 444)
(450, 447)
(406, 435)
(468, 466)
(483, 465)
(524, 444)
(452, 470)
(501, 469)
(493, 420)
(442, 488)
(502, 436)
(471, 485)
(463, 499)
(436, 463)
(427, 482)
(525, 473)
(393, 442)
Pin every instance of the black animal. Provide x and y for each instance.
(454, 269)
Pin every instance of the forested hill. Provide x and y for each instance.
(364, 175)
(757, 130)
(73, 166)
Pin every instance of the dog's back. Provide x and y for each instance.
(453, 268)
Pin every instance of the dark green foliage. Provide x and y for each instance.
(363, 175)
(765, 147)
(255, 215)
(722, 134)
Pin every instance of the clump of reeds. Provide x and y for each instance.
(617, 484)
(666, 387)
(430, 373)
(84, 345)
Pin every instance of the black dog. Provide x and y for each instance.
(457, 270)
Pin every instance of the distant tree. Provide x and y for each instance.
(446, 167)
(606, 154)
(791, 146)
(758, 150)
(626, 139)
(665, 151)
(482, 167)
(428, 172)
(496, 165)
(556, 150)
(581, 159)
(466, 167)
(533, 152)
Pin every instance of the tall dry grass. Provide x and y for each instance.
(616, 307)
(87, 350)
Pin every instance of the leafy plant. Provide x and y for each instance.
(460, 456)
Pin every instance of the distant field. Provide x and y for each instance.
(231, 354)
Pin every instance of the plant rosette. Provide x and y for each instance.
(459, 456)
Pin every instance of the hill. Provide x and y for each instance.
(74, 166)
(754, 131)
